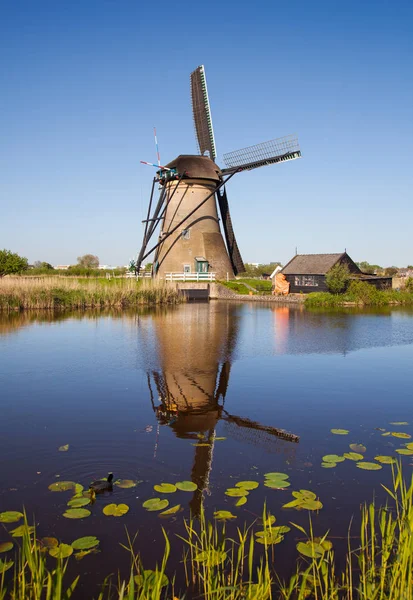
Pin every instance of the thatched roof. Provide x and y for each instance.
(311, 264)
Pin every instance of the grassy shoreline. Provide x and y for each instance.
(378, 563)
(360, 294)
(52, 293)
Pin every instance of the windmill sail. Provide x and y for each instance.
(267, 153)
(232, 246)
(202, 113)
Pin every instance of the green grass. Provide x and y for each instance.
(261, 286)
(55, 293)
(378, 564)
(361, 294)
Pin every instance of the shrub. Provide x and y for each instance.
(409, 285)
(337, 279)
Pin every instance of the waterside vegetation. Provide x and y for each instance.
(360, 293)
(378, 563)
(18, 293)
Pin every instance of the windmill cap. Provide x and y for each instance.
(197, 167)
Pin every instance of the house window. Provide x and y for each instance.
(306, 281)
(186, 234)
(187, 268)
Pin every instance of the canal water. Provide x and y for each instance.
(198, 392)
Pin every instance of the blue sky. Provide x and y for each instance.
(84, 82)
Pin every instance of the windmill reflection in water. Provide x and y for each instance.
(189, 389)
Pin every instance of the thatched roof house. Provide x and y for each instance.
(307, 272)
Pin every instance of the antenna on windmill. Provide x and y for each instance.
(157, 148)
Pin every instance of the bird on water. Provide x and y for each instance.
(102, 485)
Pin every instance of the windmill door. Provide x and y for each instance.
(201, 265)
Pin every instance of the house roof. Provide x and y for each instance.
(311, 264)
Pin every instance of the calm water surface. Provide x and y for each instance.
(133, 392)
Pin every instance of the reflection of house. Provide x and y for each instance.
(307, 272)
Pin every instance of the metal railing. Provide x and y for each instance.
(190, 276)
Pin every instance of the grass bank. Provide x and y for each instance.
(378, 564)
(54, 293)
(244, 285)
(360, 293)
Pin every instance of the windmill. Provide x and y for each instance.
(191, 189)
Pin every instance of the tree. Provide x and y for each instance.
(338, 278)
(38, 264)
(89, 261)
(11, 263)
(390, 271)
(368, 268)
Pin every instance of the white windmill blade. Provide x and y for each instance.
(202, 113)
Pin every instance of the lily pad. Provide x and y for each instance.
(277, 484)
(401, 434)
(125, 483)
(62, 486)
(155, 504)
(64, 448)
(340, 431)
(328, 465)
(10, 516)
(198, 445)
(21, 530)
(369, 466)
(405, 451)
(115, 510)
(85, 543)
(385, 460)
(6, 546)
(78, 502)
(304, 500)
(186, 486)
(269, 537)
(241, 501)
(77, 513)
(78, 489)
(276, 476)
(409, 445)
(151, 579)
(165, 488)
(386, 433)
(358, 448)
(49, 542)
(334, 458)
(247, 485)
(399, 423)
(5, 566)
(170, 511)
(62, 551)
(353, 456)
(82, 553)
(223, 515)
(236, 492)
(211, 557)
(314, 549)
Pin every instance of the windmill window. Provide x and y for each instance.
(201, 265)
(306, 280)
(187, 268)
(186, 234)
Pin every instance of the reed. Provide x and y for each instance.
(218, 567)
(55, 293)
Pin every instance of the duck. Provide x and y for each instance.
(101, 485)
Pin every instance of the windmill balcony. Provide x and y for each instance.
(190, 276)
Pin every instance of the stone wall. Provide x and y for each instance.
(217, 291)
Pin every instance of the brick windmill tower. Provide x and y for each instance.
(192, 187)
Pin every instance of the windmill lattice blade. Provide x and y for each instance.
(278, 150)
(202, 113)
(232, 246)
